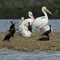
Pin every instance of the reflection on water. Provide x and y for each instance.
(16, 55)
(4, 24)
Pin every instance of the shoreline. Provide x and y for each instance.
(21, 43)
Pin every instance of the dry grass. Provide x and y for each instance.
(31, 44)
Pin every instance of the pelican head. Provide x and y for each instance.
(22, 18)
(46, 10)
(30, 14)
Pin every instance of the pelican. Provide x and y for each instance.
(23, 27)
(21, 20)
(41, 22)
(25, 22)
(25, 32)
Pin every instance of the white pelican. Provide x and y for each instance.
(25, 22)
(41, 22)
(23, 27)
(21, 20)
(25, 32)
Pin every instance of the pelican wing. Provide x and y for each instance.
(39, 21)
(25, 22)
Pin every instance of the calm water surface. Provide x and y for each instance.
(16, 55)
(5, 23)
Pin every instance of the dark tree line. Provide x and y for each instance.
(18, 8)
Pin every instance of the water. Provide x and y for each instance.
(16, 55)
(55, 24)
(5, 23)
(6, 54)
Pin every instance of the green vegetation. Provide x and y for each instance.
(19, 8)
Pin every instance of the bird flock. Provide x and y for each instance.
(27, 25)
(39, 22)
